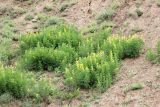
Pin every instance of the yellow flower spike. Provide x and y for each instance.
(65, 30)
(111, 56)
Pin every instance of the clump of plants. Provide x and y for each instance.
(96, 70)
(41, 58)
(93, 42)
(133, 47)
(51, 37)
(23, 85)
(123, 47)
(86, 62)
(153, 56)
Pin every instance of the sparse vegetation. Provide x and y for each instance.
(136, 29)
(11, 11)
(133, 87)
(47, 8)
(47, 21)
(29, 17)
(64, 6)
(7, 35)
(107, 15)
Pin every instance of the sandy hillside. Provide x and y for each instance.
(82, 14)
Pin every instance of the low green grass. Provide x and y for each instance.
(7, 37)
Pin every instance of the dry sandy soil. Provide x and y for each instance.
(137, 70)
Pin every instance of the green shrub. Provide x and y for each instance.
(22, 85)
(13, 82)
(114, 44)
(93, 71)
(86, 47)
(70, 52)
(51, 37)
(100, 36)
(151, 56)
(93, 43)
(123, 47)
(133, 47)
(42, 58)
